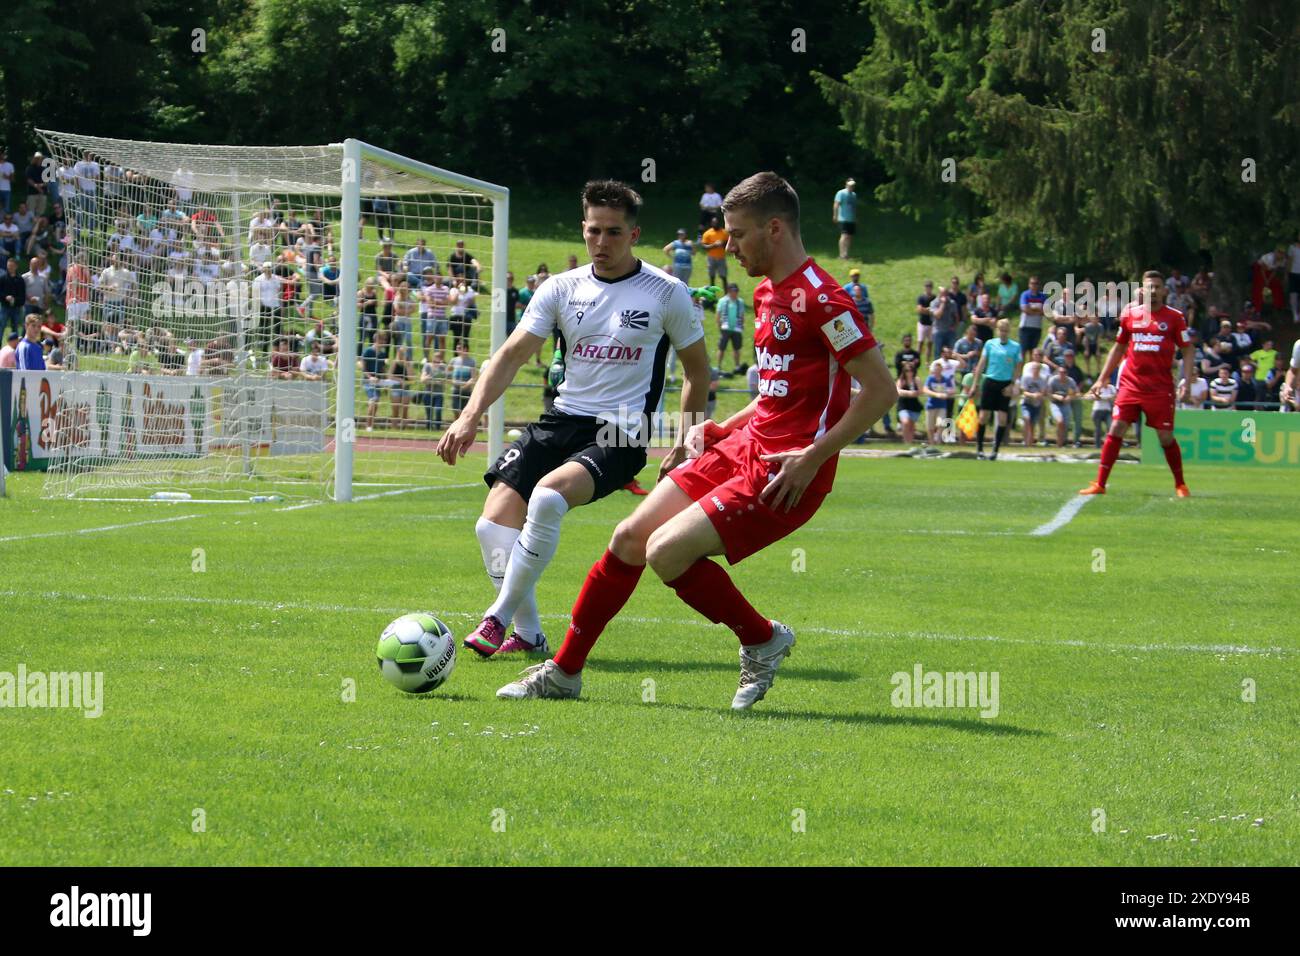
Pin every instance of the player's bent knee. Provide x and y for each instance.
(658, 548)
(629, 541)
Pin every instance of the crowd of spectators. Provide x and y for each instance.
(93, 241)
(1238, 365)
(98, 242)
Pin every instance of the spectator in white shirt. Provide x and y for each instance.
(122, 241)
(194, 358)
(37, 287)
(1196, 393)
(9, 352)
(116, 284)
(10, 237)
(1033, 383)
(260, 226)
(260, 250)
(314, 364)
(710, 206)
(6, 181)
(266, 298)
(87, 173)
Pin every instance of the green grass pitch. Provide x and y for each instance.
(1124, 643)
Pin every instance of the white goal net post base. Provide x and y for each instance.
(160, 276)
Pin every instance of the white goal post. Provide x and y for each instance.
(360, 156)
(209, 277)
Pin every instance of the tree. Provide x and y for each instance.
(31, 60)
(1102, 133)
(525, 92)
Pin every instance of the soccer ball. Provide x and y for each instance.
(416, 653)
(514, 434)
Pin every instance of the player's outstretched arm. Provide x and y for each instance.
(520, 347)
(1107, 367)
(695, 398)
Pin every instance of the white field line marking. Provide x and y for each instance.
(380, 494)
(407, 491)
(570, 521)
(170, 501)
(109, 527)
(254, 509)
(1063, 517)
(898, 635)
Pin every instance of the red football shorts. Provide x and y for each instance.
(726, 481)
(1158, 409)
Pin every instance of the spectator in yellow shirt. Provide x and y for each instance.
(714, 242)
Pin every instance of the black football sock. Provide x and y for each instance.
(979, 440)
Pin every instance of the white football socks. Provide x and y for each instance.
(532, 552)
(495, 542)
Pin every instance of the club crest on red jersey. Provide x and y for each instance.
(782, 327)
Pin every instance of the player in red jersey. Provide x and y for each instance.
(1150, 333)
(754, 478)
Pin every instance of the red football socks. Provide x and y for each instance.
(1109, 453)
(707, 588)
(609, 584)
(1174, 455)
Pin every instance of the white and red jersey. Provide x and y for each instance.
(614, 336)
(1153, 339)
(805, 329)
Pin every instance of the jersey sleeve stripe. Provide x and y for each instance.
(656, 388)
(832, 368)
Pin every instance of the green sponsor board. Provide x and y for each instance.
(1260, 439)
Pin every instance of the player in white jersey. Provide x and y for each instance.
(615, 320)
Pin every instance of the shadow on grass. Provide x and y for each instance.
(969, 725)
(649, 668)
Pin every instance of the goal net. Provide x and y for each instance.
(239, 321)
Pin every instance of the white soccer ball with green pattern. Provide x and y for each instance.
(417, 653)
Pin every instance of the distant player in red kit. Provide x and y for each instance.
(756, 477)
(1151, 333)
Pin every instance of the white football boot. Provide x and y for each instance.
(543, 680)
(758, 664)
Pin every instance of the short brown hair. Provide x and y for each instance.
(613, 194)
(765, 196)
(1153, 274)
